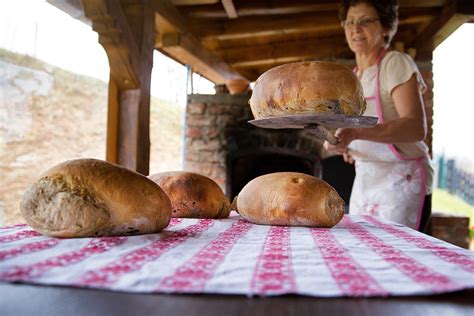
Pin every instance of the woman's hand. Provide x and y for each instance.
(347, 158)
(344, 137)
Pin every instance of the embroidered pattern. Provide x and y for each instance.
(29, 248)
(444, 253)
(193, 275)
(95, 246)
(19, 235)
(415, 270)
(136, 259)
(273, 272)
(360, 257)
(350, 276)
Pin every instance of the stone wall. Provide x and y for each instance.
(217, 131)
(205, 143)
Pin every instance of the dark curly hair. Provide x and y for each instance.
(387, 11)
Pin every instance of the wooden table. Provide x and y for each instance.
(20, 299)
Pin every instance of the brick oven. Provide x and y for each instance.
(221, 144)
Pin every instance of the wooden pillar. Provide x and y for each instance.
(112, 122)
(127, 33)
(146, 58)
(133, 139)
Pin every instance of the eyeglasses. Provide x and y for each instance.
(362, 22)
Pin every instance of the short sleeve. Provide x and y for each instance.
(398, 68)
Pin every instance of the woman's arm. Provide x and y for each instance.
(410, 127)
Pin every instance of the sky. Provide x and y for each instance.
(453, 77)
(53, 36)
(56, 38)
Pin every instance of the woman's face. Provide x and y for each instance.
(363, 30)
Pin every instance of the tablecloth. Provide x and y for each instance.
(360, 257)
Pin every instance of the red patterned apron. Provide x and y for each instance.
(386, 184)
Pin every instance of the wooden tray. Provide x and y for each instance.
(326, 120)
(317, 124)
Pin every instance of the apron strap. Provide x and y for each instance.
(393, 149)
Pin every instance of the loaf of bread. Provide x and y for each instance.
(88, 198)
(307, 88)
(290, 198)
(193, 195)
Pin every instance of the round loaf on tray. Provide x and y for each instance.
(290, 198)
(307, 88)
(193, 195)
(89, 197)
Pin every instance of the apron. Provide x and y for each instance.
(386, 185)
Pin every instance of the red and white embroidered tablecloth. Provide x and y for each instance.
(361, 256)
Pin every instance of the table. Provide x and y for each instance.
(387, 261)
(16, 299)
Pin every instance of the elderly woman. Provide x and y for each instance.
(393, 171)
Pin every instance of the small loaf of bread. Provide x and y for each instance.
(88, 198)
(290, 198)
(313, 87)
(193, 195)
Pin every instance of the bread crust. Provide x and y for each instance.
(193, 195)
(290, 198)
(89, 197)
(307, 87)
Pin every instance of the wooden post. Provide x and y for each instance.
(133, 144)
(146, 57)
(112, 122)
(127, 33)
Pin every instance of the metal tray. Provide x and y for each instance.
(325, 120)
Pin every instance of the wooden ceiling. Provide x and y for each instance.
(230, 39)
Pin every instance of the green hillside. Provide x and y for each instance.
(52, 115)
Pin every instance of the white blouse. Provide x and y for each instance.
(396, 68)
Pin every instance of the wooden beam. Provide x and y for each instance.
(264, 26)
(453, 15)
(449, 27)
(258, 8)
(71, 7)
(188, 50)
(293, 50)
(274, 61)
(168, 13)
(246, 28)
(184, 47)
(113, 121)
(115, 35)
(421, 3)
(229, 9)
(143, 121)
(416, 19)
(128, 141)
(193, 2)
(410, 26)
(464, 13)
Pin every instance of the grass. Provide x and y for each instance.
(21, 60)
(69, 122)
(445, 202)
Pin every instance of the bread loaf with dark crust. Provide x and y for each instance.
(307, 88)
(89, 197)
(193, 195)
(290, 198)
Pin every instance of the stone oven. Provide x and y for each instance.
(221, 144)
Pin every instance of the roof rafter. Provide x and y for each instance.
(186, 48)
(115, 35)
